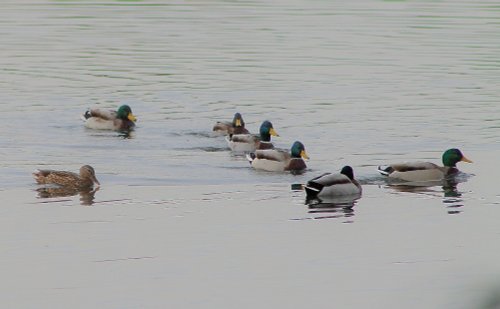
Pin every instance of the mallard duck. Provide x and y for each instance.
(237, 126)
(277, 160)
(333, 185)
(249, 142)
(103, 119)
(85, 179)
(425, 171)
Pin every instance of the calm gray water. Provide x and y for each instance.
(180, 222)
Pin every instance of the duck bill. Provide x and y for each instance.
(94, 179)
(464, 159)
(131, 117)
(304, 155)
(273, 132)
(238, 123)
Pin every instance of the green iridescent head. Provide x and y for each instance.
(266, 130)
(452, 156)
(299, 151)
(124, 112)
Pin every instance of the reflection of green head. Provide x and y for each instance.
(299, 151)
(124, 112)
(266, 130)
(238, 120)
(452, 156)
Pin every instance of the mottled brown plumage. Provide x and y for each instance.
(85, 179)
(237, 126)
(227, 128)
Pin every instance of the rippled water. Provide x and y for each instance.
(180, 221)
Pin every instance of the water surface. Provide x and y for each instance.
(180, 221)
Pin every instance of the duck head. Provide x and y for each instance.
(238, 120)
(299, 151)
(87, 172)
(266, 130)
(347, 170)
(125, 112)
(452, 156)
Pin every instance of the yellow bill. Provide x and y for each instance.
(131, 117)
(304, 155)
(273, 132)
(464, 159)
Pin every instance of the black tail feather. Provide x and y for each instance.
(250, 157)
(87, 114)
(385, 170)
(313, 189)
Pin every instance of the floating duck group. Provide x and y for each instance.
(259, 149)
(262, 155)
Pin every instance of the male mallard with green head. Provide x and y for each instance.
(277, 160)
(332, 185)
(103, 119)
(425, 171)
(249, 142)
(237, 126)
(84, 180)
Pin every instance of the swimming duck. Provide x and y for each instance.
(333, 185)
(237, 126)
(103, 119)
(85, 179)
(277, 160)
(249, 142)
(425, 171)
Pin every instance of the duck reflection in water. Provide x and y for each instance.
(126, 134)
(332, 207)
(451, 196)
(87, 195)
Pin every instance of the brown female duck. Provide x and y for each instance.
(85, 179)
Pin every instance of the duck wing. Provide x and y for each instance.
(327, 179)
(56, 177)
(222, 126)
(332, 185)
(414, 171)
(407, 167)
(273, 155)
(105, 114)
(244, 138)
